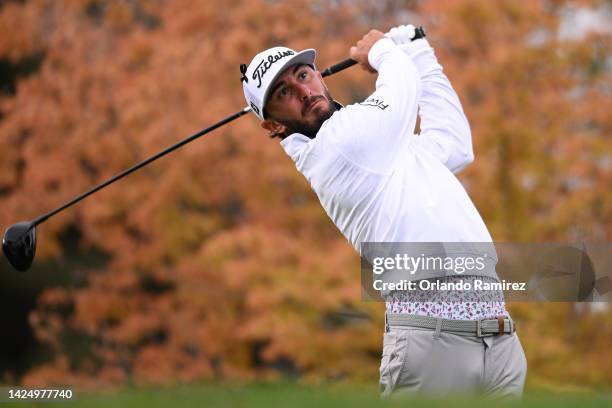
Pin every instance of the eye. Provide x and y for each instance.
(280, 92)
(303, 75)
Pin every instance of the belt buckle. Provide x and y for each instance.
(479, 332)
(478, 328)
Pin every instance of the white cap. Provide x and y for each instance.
(263, 71)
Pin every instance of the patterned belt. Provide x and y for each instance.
(478, 328)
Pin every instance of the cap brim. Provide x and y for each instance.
(303, 57)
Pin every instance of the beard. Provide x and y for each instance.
(310, 129)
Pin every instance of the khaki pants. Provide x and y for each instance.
(416, 361)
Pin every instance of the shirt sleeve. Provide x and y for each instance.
(370, 132)
(445, 131)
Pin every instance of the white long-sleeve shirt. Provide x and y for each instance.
(379, 182)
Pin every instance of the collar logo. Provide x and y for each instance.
(265, 65)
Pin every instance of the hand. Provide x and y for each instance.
(360, 51)
(403, 34)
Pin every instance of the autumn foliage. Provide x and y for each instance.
(218, 262)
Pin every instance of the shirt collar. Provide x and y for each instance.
(296, 142)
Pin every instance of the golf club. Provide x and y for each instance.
(19, 241)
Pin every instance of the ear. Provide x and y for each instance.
(274, 127)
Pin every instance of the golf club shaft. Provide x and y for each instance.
(329, 71)
(142, 163)
(349, 62)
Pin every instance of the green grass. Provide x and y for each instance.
(291, 395)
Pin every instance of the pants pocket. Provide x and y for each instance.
(392, 361)
(506, 368)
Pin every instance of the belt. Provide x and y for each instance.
(478, 328)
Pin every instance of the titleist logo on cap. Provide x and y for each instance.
(265, 65)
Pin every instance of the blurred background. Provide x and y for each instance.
(217, 264)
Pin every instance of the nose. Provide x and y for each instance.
(303, 92)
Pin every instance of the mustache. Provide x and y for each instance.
(310, 102)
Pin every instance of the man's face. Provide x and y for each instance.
(299, 102)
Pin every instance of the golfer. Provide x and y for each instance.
(379, 182)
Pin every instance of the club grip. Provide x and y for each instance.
(349, 62)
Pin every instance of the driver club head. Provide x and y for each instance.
(19, 244)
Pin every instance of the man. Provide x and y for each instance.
(380, 183)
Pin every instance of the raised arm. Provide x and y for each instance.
(371, 132)
(445, 131)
